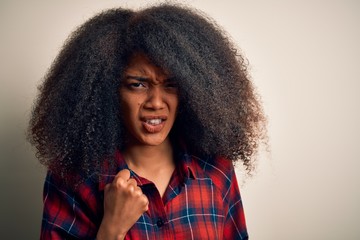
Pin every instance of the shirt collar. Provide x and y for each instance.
(184, 166)
(109, 169)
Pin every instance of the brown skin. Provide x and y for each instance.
(147, 93)
(124, 203)
(150, 100)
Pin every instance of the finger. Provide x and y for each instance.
(145, 201)
(137, 191)
(106, 188)
(131, 189)
(132, 181)
(124, 174)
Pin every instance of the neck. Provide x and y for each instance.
(143, 158)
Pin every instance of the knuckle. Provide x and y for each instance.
(136, 193)
(131, 189)
(146, 207)
(132, 181)
(144, 199)
(119, 183)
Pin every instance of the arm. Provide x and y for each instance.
(124, 203)
(75, 215)
(65, 216)
(222, 173)
(235, 225)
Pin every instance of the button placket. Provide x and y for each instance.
(160, 222)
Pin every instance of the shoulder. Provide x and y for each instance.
(69, 211)
(215, 167)
(83, 194)
(219, 170)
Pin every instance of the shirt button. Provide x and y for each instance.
(160, 223)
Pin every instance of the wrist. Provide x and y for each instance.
(107, 232)
(120, 237)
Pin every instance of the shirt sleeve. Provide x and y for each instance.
(65, 215)
(235, 225)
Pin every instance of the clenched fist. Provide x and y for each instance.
(124, 203)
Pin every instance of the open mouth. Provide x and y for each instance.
(154, 121)
(154, 124)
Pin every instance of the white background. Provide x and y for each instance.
(304, 59)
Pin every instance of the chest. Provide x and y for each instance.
(194, 210)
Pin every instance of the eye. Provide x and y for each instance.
(136, 85)
(171, 84)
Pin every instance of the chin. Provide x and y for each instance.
(153, 141)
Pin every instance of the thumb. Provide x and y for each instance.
(124, 174)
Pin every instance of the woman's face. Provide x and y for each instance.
(149, 101)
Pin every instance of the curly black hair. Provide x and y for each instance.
(76, 122)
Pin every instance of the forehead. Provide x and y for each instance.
(139, 63)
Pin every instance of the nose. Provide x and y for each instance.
(155, 98)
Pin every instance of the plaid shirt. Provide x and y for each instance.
(202, 201)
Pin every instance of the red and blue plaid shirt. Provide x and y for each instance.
(202, 201)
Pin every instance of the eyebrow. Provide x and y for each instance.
(141, 79)
(146, 79)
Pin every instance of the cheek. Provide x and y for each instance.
(129, 103)
(175, 105)
(130, 109)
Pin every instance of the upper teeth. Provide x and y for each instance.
(154, 121)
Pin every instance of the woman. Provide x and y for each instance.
(139, 121)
